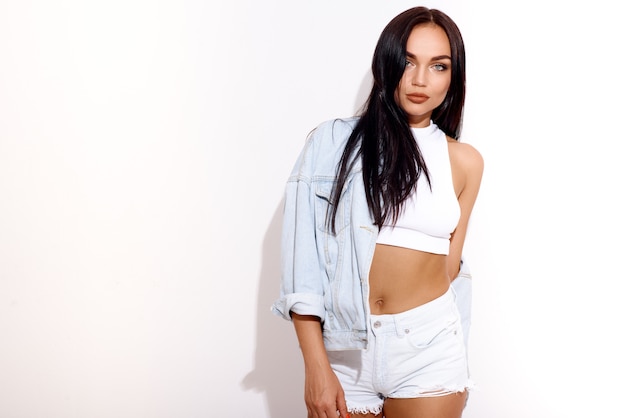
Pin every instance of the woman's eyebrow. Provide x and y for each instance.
(435, 58)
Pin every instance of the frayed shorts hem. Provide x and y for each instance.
(375, 410)
(431, 393)
(378, 408)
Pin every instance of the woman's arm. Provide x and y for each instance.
(323, 393)
(467, 170)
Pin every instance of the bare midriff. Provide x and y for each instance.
(401, 279)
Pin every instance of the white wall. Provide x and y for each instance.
(136, 279)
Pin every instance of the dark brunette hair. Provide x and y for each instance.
(382, 138)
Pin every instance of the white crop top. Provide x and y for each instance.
(428, 218)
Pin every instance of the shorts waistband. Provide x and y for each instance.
(398, 322)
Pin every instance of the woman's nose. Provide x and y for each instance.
(419, 77)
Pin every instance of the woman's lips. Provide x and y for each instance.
(417, 98)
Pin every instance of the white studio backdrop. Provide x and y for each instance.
(144, 147)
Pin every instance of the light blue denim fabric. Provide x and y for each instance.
(462, 285)
(325, 274)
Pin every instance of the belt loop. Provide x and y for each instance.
(400, 330)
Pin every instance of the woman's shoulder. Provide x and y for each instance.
(335, 128)
(465, 155)
(331, 135)
(324, 147)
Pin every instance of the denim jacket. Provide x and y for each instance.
(326, 274)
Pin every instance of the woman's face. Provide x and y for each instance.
(427, 74)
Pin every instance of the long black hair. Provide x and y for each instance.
(382, 138)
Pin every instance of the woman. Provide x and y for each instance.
(376, 214)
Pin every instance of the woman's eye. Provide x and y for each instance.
(439, 67)
(408, 63)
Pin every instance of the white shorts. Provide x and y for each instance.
(417, 353)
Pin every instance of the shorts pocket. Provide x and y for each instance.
(424, 337)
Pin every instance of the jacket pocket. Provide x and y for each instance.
(324, 208)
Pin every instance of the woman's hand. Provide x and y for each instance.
(323, 394)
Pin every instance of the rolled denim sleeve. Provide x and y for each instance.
(302, 289)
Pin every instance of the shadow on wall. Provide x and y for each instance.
(278, 372)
